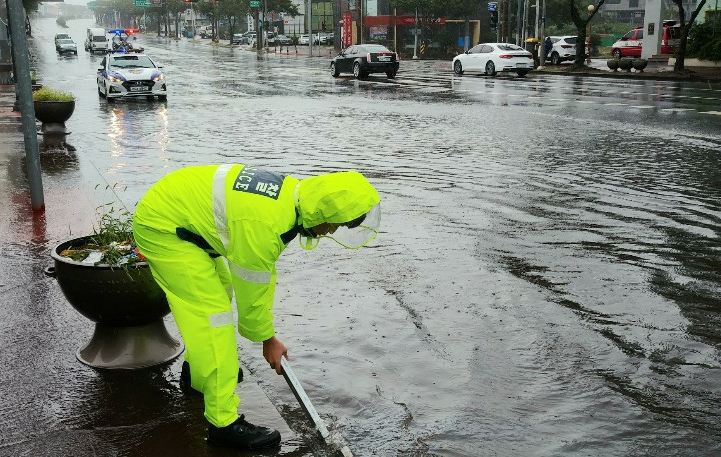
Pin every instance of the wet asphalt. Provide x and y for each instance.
(545, 283)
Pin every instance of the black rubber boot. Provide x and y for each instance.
(243, 435)
(185, 385)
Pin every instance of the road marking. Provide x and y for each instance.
(644, 106)
(615, 104)
(717, 113)
(677, 110)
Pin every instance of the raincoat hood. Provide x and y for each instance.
(336, 198)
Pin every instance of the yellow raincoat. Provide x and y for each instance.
(195, 219)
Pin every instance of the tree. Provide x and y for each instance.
(678, 66)
(581, 20)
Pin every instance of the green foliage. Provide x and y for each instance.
(112, 238)
(114, 226)
(704, 42)
(45, 94)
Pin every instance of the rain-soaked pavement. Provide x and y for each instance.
(546, 281)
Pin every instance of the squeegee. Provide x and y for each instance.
(300, 395)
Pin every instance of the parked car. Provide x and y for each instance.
(490, 58)
(61, 36)
(363, 59)
(249, 35)
(238, 38)
(564, 49)
(282, 40)
(130, 75)
(66, 45)
(631, 44)
(304, 39)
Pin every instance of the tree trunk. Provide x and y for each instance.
(679, 65)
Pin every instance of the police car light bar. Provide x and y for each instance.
(121, 31)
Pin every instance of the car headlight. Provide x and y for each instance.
(113, 79)
(159, 77)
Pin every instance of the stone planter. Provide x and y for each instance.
(612, 64)
(127, 307)
(625, 64)
(639, 64)
(53, 112)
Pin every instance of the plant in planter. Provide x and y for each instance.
(53, 106)
(612, 64)
(106, 280)
(625, 64)
(639, 64)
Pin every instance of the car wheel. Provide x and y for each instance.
(163, 98)
(555, 59)
(333, 70)
(490, 68)
(391, 74)
(458, 67)
(616, 53)
(522, 73)
(356, 70)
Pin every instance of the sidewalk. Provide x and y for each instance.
(53, 405)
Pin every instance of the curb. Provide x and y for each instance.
(646, 75)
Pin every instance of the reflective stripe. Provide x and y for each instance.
(221, 319)
(221, 220)
(258, 277)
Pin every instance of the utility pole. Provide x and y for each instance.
(415, 36)
(24, 91)
(541, 39)
(519, 29)
(310, 29)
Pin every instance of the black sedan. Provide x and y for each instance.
(363, 59)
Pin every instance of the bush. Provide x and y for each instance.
(49, 95)
(703, 43)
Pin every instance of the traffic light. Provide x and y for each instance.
(191, 1)
(494, 19)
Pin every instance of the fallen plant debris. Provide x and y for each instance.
(112, 243)
(113, 254)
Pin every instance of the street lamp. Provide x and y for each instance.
(591, 9)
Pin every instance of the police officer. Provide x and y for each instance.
(210, 231)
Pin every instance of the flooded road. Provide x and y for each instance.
(547, 278)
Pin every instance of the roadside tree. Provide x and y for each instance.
(581, 15)
(679, 65)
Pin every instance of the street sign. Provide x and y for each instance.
(92, 5)
(141, 3)
(255, 3)
(492, 6)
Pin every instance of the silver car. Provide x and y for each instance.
(66, 45)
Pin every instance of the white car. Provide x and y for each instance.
(304, 39)
(130, 74)
(66, 45)
(490, 58)
(563, 49)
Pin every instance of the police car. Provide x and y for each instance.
(130, 74)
